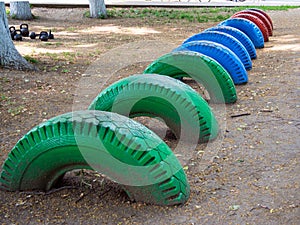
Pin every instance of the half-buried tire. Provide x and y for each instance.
(255, 20)
(249, 28)
(238, 34)
(265, 14)
(202, 69)
(183, 110)
(122, 149)
(261, 16)
(227, 40)
(223, 55)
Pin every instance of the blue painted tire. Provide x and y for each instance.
(231, 63)
(227, 40)
(238, 34)
(249, 28)
(201, 68)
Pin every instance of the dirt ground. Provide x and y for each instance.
(253, 177)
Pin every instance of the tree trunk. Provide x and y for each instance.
(9, 55)
(20, 10)
(97, 9)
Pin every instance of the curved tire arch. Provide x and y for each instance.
(184, 111)
(217, 81)
(228, 41)
(249, 28)
(223, 55)
(238, 34)
(258, 22)
(262, 17)
(101, 140)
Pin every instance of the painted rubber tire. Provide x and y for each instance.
(201, 68)
(184, 111)
(116, 145)
(228, 41)
(255, 20)
(249, 28)
(261, 16)
(223, 55)
(241, 36)
(265, 14)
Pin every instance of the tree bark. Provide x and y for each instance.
(20, 10)
(97, 9)
(9, 55)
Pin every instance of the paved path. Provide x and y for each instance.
(166, 3)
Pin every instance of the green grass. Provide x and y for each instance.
(210, 14)
(15, 110)
(56, 44)
(30, 59)
(71, 29)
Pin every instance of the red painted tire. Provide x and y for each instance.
(261, 16)
(265, 14)
(257, 22)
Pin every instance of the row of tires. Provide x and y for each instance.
(105, 139)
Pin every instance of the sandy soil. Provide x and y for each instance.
(253, 177)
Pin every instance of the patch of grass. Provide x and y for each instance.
(5, 79)
(16, 110)
(70, 57)
(87, 14)
(71, 29)
(53, 56)
(30, 59)
(3, 97)
(54, 68)
(65, 71)
(209, 14)
(57, 44)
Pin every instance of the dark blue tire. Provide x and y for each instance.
(231, 63)
(238, 34)
(202, 69)
(249, 28)
(227, 40)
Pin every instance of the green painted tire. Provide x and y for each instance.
(201, 68)
(184, 111)
(122, 149)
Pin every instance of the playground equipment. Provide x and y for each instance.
(109, 143)
(228, 41)
(239, 35)
(126, 151)
(202, 69)
(222, 55)
(249, 28)
(184, 111)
